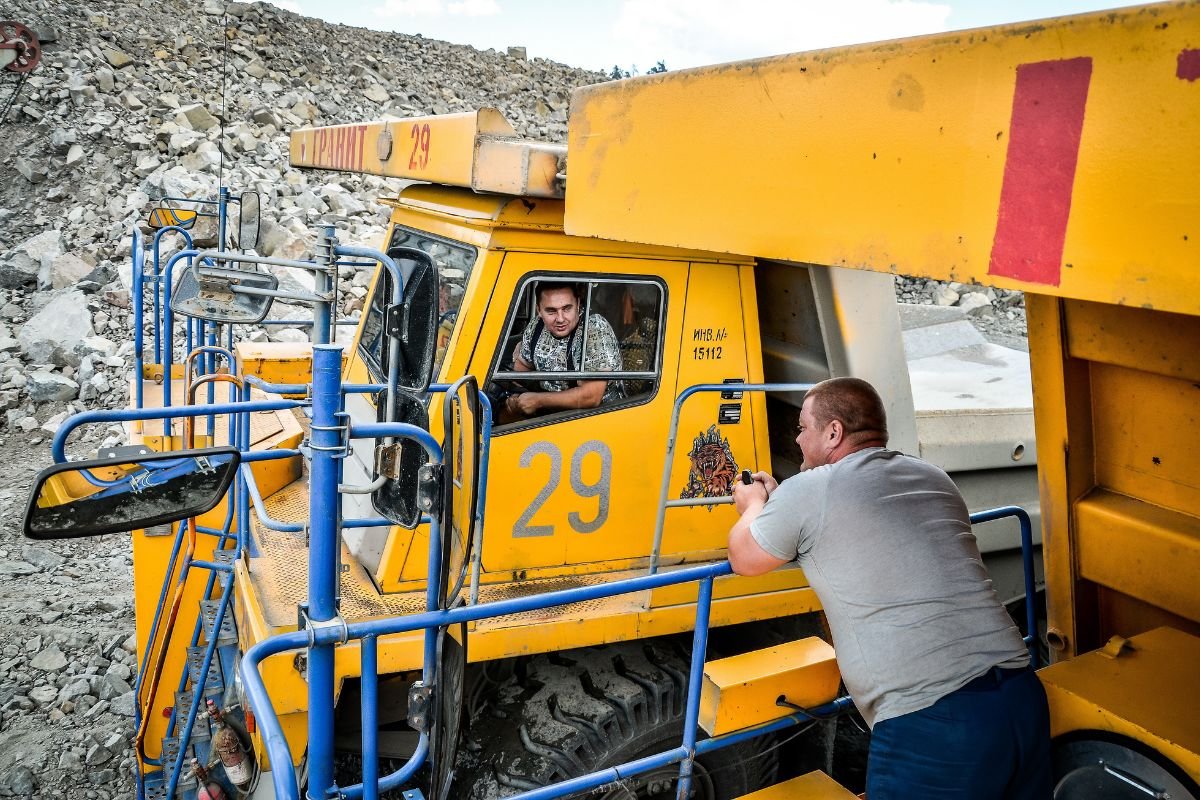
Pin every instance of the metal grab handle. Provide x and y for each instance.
(189, 423)
(673, 431)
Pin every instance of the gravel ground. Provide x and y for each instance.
(66, 650)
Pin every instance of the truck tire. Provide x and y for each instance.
(566, 714)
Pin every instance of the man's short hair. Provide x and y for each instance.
(546, 286)
(852, 401)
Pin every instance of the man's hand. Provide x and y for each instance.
(753, 495)
(526, 404)
(747, 496)
(769, 483)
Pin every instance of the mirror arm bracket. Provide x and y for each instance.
(342, 449)
(395, 323)
(420, 698)
(429, 489)
(387, 460)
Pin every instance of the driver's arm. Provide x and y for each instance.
(587, 394)
(519, 363)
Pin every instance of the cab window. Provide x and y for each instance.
(576, 345)
(454, 261)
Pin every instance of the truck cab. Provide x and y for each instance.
(576, 490)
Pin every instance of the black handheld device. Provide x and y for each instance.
(747, 478)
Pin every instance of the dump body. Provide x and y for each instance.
(1020, 157)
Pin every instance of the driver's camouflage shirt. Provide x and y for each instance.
(549, 354)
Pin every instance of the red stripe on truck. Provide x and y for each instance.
(1039, 170)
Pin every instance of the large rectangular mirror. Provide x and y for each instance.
(91, 498)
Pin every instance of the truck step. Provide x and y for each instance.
(813, 786)
(154, 786)
(170, 751)
(214, 683)
(224, 557)
(228, 633)
(183, 704)
(741, 691)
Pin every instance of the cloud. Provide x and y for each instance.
(688, 33)
(473, 8)
(437, 8)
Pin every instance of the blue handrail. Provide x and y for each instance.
(322, 638)
(273, 733)
(58, 445)
(1031, 636)
(280, 756)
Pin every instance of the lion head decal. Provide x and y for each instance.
(713, 467)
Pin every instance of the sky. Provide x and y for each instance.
(635, 34)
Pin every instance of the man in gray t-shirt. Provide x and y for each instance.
(926, 650)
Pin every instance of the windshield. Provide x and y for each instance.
(454, 261)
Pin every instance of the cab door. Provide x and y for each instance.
(581, 487)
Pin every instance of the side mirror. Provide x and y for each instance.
(249, 223)
(400, 463)
(411, 326)
(461, 423)
(164, 217)
(220, 294)
(111, 495)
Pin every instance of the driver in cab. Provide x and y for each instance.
(553, 342)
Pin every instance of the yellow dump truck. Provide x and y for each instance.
(733, 227)
(1056, 157)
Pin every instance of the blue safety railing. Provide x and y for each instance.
(245, 490)
(323, 634)
(331, 432)
(234, 511)
(203, 343)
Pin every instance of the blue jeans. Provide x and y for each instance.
(988, 740)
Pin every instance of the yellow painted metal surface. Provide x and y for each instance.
(289, 691)
(1150, 693)
(713, 349)
(275, 362)
(151, 552)
(1061, 425)
(813, 786)
(1055, 156)
(478, 150)
(1141, 550)
(1119, 459)
(780, 580)
(741, 691)
(151, 557)
(624, 623)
